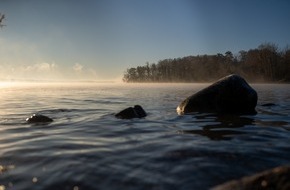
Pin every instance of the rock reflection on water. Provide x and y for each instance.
(224, 127)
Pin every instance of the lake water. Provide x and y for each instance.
(86, 147)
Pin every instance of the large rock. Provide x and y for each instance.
(277, 178)
(231, 94)
(132, 112)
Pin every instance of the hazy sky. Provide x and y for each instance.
(100, 39)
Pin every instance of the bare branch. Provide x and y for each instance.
(2, 17)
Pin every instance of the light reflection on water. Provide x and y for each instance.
(86, 147)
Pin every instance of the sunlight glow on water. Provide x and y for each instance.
(6, 84)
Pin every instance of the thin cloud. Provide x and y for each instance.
(78, 67)
(41, 67)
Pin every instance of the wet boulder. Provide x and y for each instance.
(277, 178)
(131, 112)
(37, 118)
(231, 94)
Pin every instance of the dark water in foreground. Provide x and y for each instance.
(87, 148)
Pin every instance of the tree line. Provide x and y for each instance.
(266, 63)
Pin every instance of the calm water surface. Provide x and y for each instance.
(86, 147)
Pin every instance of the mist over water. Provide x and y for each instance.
(86, 147)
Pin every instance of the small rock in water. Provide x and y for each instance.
(37, 118)
(231, 95)
(131, 112)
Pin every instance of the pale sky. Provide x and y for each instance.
(100, 39)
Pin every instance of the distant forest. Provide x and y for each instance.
(266, 63)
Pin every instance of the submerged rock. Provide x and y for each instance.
(37, 118)
(132, 112)
(231, 94)
(277, 178)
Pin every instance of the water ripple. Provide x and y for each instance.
(86, 147)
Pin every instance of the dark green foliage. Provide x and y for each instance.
(263, 64)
